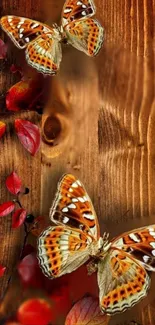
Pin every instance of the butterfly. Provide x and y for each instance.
(42, 43)
(121, 263)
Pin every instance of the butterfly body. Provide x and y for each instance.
(43, 43)
(121, 263)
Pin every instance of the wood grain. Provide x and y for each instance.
(110, 104)
(112, 144)
(13, 157)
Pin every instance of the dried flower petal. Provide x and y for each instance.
(28, 134)
(6, 208)
(24, 95)
(13, 183)
(18, 218)
(86, 312)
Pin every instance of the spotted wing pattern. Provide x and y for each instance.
(44, 54)
(43, 50)
(73, 207)
(122, 282)
(82, 32)
(140, 243)
(23, 30)
(62, 250)
(75, 10)
(85, 35)
(42, 43)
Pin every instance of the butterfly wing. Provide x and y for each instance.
(43, 50)
(62, 250)
(75, 10)
(85, 35)
(23, 30)
(122, 281)
(140, 243)
(73, 207)
(44, 54)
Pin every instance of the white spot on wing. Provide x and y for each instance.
(37, 47)
(64, 237)
(9, 20)
(74, 199)
(70, 189)
(72, 206)
(75, 184)
(42, 51)
(64, 253)
(79, 183)
(146, 258)
(86, 198)
(93, 230)
(88, 216)
(67, 10)
(79, 3)
(153, 252)
(48, 54)
(62, 242)
(77, 247)
(152, 233)
(21, 30)
(27, 39)
(34, 25)
(152, 244)
(134, 238)
(119, 242)
(20, 35)
(65, 219)
(84, 13)
(19, 24)
(81, 199)
(65, 209)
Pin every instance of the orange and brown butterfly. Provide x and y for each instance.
(42, 43)
(121, 263)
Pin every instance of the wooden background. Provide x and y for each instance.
(107, 105)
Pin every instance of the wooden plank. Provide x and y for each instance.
(111, 149)
(13, 157)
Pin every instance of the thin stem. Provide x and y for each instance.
(18, 202)
(25, 239)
